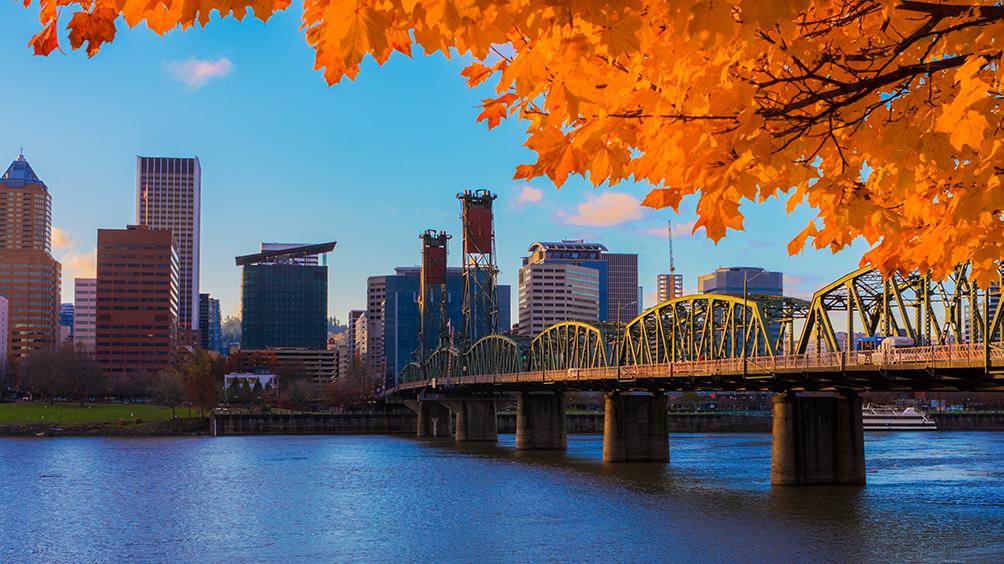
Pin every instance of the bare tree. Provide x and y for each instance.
(169, 389)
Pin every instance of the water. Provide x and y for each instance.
(930, 497)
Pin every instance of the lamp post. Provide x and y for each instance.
(620, 334)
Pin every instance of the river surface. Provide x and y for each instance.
(930, 496)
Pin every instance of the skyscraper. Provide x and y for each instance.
(209, 323)
(85, 300)
(29, 276)
(137, 300)
(284, 303)
(168, 196)
(550, 293)
(3, 340)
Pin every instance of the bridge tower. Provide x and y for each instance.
(432, 299)
(479, 268)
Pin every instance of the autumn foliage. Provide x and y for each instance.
(883, 115)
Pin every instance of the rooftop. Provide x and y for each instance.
(19, 174)
(567, 245)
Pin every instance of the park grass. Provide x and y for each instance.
(26, 413)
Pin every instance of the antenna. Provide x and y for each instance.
(669, 231)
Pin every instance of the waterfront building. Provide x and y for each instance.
(29, 276)
(85, 296)
(734, 281)
(669, 286)
(550, 293)
(359, 336)
(352, 324)
(136, 326)
(168, 196)
(393, 300)
(209, 323)
(284, 304)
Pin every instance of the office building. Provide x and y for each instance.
(209, 323)
(550, 293)
(29, 276)
(168, 196)
(393, 304)
(85, 300)
(669, 286)
(732, 281)
(66, 318)
(136, 325)
(617, 275)
(320, 366)
(350, 340)
(284, 304)
(4, 329)
(359, 336)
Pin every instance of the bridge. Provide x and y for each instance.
(948, 332)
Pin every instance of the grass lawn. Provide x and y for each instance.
(71, 413)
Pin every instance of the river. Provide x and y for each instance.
(930, 496)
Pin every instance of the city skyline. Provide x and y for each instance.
(307, 163)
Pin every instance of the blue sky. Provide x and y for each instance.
(369, 163)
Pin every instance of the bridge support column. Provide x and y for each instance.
(477, 420)
(540, 421)
(433, 419)
(817, 440)
(634, 428)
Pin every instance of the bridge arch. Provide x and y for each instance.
(572, 344)
(496, 354)
(412, 372)
(927, 311)
(444, 363)
(698, 327)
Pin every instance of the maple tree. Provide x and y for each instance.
(882, 115)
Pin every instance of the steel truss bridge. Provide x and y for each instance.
(717, 342)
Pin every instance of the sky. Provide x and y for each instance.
(286, 158)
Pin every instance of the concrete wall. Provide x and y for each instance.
(969, 421)
(314, 424)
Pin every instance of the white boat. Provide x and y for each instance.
(885, 418)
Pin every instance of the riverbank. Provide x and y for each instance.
(182, 426)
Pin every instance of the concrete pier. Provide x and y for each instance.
(434, 419)
(477, 420)
(634, 427)
(817, 440)
(540, 421)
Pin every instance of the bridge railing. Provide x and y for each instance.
(969, 354)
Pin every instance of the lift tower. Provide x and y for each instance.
(433, 290)
(479, 269)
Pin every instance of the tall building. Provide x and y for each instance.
(732, 282)
(209, 323)
(393, 300)
(29, 276)
(353, 331)
(85, 301)
(552, 293)
(137, 300)
(617, 274)
(168, 196)
(284, 303)
(670, 286)
(65, 323)
(4, 328)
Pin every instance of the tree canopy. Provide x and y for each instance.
(882, 115)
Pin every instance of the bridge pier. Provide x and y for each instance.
(434, 418)
(817, 440)
(477, 420)
(634, 427)
(540, 421)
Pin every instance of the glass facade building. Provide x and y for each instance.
(284, 305)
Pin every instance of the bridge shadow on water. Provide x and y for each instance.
(725, 477)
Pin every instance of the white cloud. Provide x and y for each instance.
(79, 265)
(61, 239)
(196, 73)
(607, 210)
(529, 195)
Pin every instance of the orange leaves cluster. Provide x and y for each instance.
(882, 115)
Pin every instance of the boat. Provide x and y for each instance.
(887, 418)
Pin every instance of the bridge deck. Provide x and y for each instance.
(945, 367)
